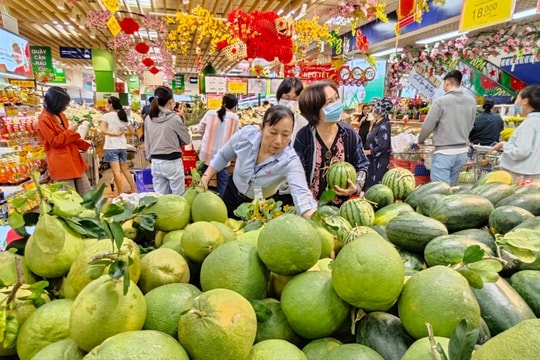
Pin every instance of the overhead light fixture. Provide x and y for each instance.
(280, 12)
(448, 35)
(524, 14)
(302, 13)
(387, 52)
(73, 15)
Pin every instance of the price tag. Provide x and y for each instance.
(214, 101)
(237, 86)
(114, 26)
(477, 14)
(111, 5)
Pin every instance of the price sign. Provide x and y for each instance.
(213, 101)
(477, 14)
(114, 26)
(237, 86)
(112, 5)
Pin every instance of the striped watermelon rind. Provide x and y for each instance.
(358, 212)
(401, 181)
(339, 173)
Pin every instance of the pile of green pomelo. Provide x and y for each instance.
(404, 272)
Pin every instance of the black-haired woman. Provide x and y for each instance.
(165, 133)
(62, 142)
(487, 126)
(264, 160)
(115, 126)
(216, 128)
(378, 144)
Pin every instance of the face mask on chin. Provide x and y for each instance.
(333, 112)
(291, 104)
(517, 109)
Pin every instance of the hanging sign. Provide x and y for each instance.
(215, 84)
(477, 14)
(237, 86)
(67, 52)
(111, 5)
(42, 63)
(59, 76)
(133, 84)
(114, 26)
(213, 101)
(178, 85)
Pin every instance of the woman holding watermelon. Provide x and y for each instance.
(326, 140)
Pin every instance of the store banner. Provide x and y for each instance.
(104, 81)
(41, 57)
(405, 12)
(477, 14)
(178, 84)
(103, 60)
(133, 84)
(59, 76)
(423, 85)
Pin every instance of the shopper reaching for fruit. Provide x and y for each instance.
(264, 160)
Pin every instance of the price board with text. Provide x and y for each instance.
(237, 85)
(477, 14)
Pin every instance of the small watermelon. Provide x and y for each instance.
(379, 194)
(401, 181)
(358, 212)
(339, 173)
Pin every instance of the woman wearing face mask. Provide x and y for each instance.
(379, 143)
(217, 127)
(263, 161)
(521, 154)
(287, 95)
(164, 134)
(327, 139)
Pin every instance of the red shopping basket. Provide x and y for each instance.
(189, 158)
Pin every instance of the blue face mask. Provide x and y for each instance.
(517, 109)
(333, 112)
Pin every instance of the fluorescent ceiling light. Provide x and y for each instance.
(387, 52)
(524, 14)
(444, 36)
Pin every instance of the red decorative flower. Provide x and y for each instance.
(362, 42)
(222, 44)
(142, 48)
(129, 25)
(154, 70)
(148, 61)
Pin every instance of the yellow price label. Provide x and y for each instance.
(111, 5)
(476, 14)
(114, 26)
(237, 86)
(23, 83)
(213, 102)
(101, 102)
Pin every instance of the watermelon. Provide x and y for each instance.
(505, 218)
(435, 187)
(387, 213)
(482, 235)
(357, 233)
(462, 188)
(379, 194)
(412, 231)
(449, 249)
(495, 176)
(462, 211)
(527, 201)
(337, 226)
(401, 181)
(358, 212)
(425, 204)
(339, 173)
(493, 191)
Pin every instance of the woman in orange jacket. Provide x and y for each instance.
(62, 142)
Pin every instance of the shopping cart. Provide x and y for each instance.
(415, 162)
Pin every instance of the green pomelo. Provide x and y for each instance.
(139, 345)
(250, 237)
(78, 278)
(165, 304)
(172, 211)
(327, 241)
(173, 240)
(421, 349)
(235, 266)
(273, 349)
(47, 325)
(276, 284)
(160, 267)
(274, 324)
(318, 349)
(227, 233)
(129, 231)
(221, 324)
(353, 352)
(368, 273)
(311, 306)
(101, 310)
(200, 239)
(190, 194)
(158, 239)
(289, 244)
(8, 269)
(208, 206)
(61, 350)
(52, 248)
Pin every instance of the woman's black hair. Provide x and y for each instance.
(162, 95)
(275, 114)
(287, 85)
(115, 102)
(488, 105)
(56, 100)
(229, 102)
(313, 99)
(532, 93)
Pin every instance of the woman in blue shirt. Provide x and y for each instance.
(379, 143)
(264, 160)
(327, 139)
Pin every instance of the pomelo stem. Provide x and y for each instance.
(433, 343)
(197, 312)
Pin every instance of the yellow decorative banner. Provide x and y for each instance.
(237, 86)
(477, 14)
(114, 26)
(111, 5)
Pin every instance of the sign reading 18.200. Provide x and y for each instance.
(486, 10)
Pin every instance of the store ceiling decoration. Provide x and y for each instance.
(147, 62)
(129, 25)
(142, 48)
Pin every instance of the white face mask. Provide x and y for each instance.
(291, 104)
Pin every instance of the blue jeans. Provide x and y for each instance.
(168, 176)
(222, 178)
(446, 168)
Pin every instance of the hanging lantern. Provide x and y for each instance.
(148, 61)
(142, 48)
(154, 70)
(129, 25)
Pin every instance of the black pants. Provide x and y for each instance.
(233, 198)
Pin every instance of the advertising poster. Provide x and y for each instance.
(14, 54)
(356, 93)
